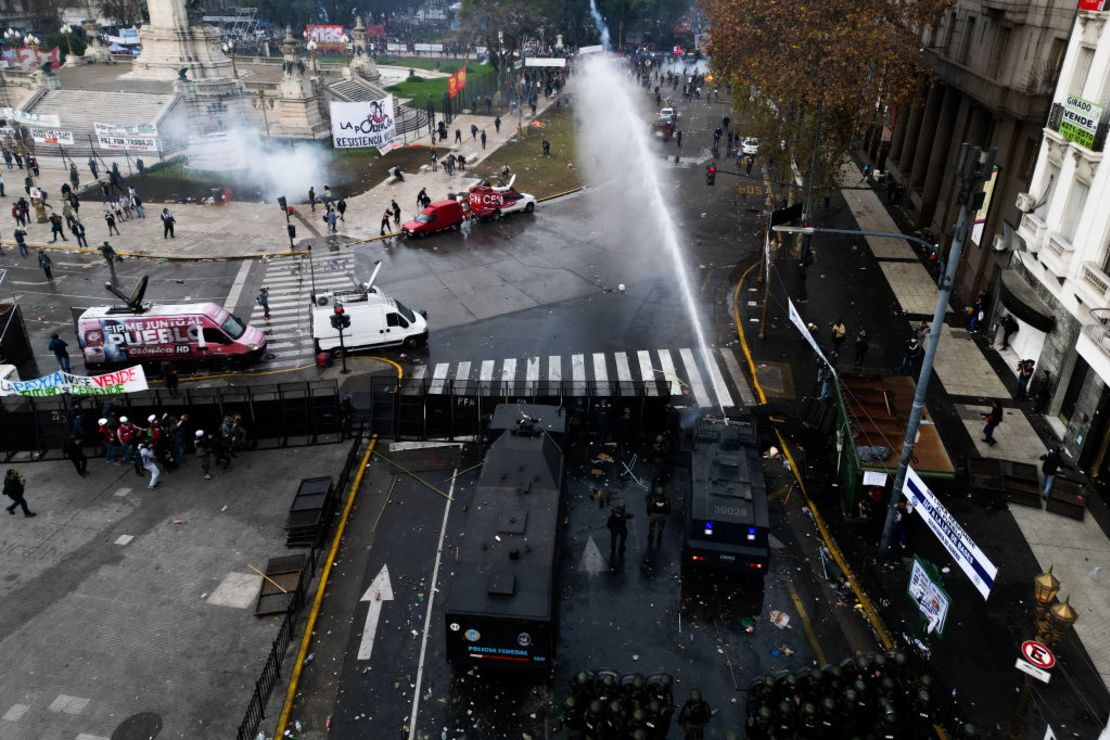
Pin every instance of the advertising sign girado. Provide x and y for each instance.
(362, 125)
(1079, 121)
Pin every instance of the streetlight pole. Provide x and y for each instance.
(1052, 622)
(972, 170)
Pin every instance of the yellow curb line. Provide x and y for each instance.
(306, 640)
(546, 198)
(260, 373)
(861, 596)
(807, 625)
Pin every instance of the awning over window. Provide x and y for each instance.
(1022, 301)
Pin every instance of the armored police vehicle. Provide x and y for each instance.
(501, 606)
(726, 510)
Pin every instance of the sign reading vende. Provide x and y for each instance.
(1079, 121)
(126, 380)
(363, 125)
(960, 546)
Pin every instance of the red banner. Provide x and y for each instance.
(461, 75)
(452, 86)
(1096, 5)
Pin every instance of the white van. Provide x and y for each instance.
(377, 320)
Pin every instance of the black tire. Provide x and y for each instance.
(529, 208)
(497, 215)
(409, 342)
(337, 353)
(456, 227)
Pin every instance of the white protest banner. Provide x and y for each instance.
(126, 380)
(140, 130)
(956, 541)
(931, 599)
(596, 49)
(14, 115)
(545, 62)
(365, 124)
(52, 136)
(427, 47)
(394, 47)
(796, 320)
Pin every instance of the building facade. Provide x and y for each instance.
(994, 65)
(1062, 249)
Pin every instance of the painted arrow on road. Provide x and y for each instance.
(380, 590)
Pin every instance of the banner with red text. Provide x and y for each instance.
(127, 380)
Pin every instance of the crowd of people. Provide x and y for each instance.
(605, 704)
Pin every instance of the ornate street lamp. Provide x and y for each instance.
(1053, 622)
(32, 41)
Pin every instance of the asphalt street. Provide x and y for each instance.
(529, 286)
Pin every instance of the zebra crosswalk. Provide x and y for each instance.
(289, 328)
(711, 380)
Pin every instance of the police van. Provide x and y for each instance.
(376, 319)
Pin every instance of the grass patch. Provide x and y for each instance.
(419, 90)
(536, 174)
(438, 65)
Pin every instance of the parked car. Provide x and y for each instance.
(440, 215)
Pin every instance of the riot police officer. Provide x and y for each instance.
(694, 716)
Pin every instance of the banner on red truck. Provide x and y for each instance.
(327, 37)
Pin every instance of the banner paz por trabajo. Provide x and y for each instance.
(364, 124)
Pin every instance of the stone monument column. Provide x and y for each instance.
(175, 38)
(362, 64)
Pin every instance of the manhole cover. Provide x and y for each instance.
(142, 726)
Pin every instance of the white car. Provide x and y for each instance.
(749, 146)
(515, 202)
(668, 114)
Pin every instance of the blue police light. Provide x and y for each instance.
(751, 533)
(708, 529)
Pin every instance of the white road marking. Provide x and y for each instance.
(624, 372)
(508, 375)
(694, 377)
(669, 374)
(733, 367)
(647, 372)
(724, 398)
(532, 370)
(439, 377)
(237, 286)
(601, 373)
(578, 369)
(433, 588)
(555, 369)
(463, 371)
(380, 591)
(485, 375)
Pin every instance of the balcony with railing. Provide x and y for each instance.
(1033, 230)
(1056, 254)
(1094, 343)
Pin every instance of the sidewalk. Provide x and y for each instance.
(250, 230)
(964, 371)
(976, 655)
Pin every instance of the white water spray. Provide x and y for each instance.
(614, 142)
(601, 27)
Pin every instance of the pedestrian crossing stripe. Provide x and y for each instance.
(713, 381)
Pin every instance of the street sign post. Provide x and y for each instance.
(1038, 654)
(1032, 670)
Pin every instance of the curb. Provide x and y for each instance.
(864, 600)
(546, 198)
(144, 255)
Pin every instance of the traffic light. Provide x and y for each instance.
(283, 203)
(292, 230)
(710, 174)
(339, 318)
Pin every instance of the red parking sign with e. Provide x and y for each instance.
(1038, 654)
